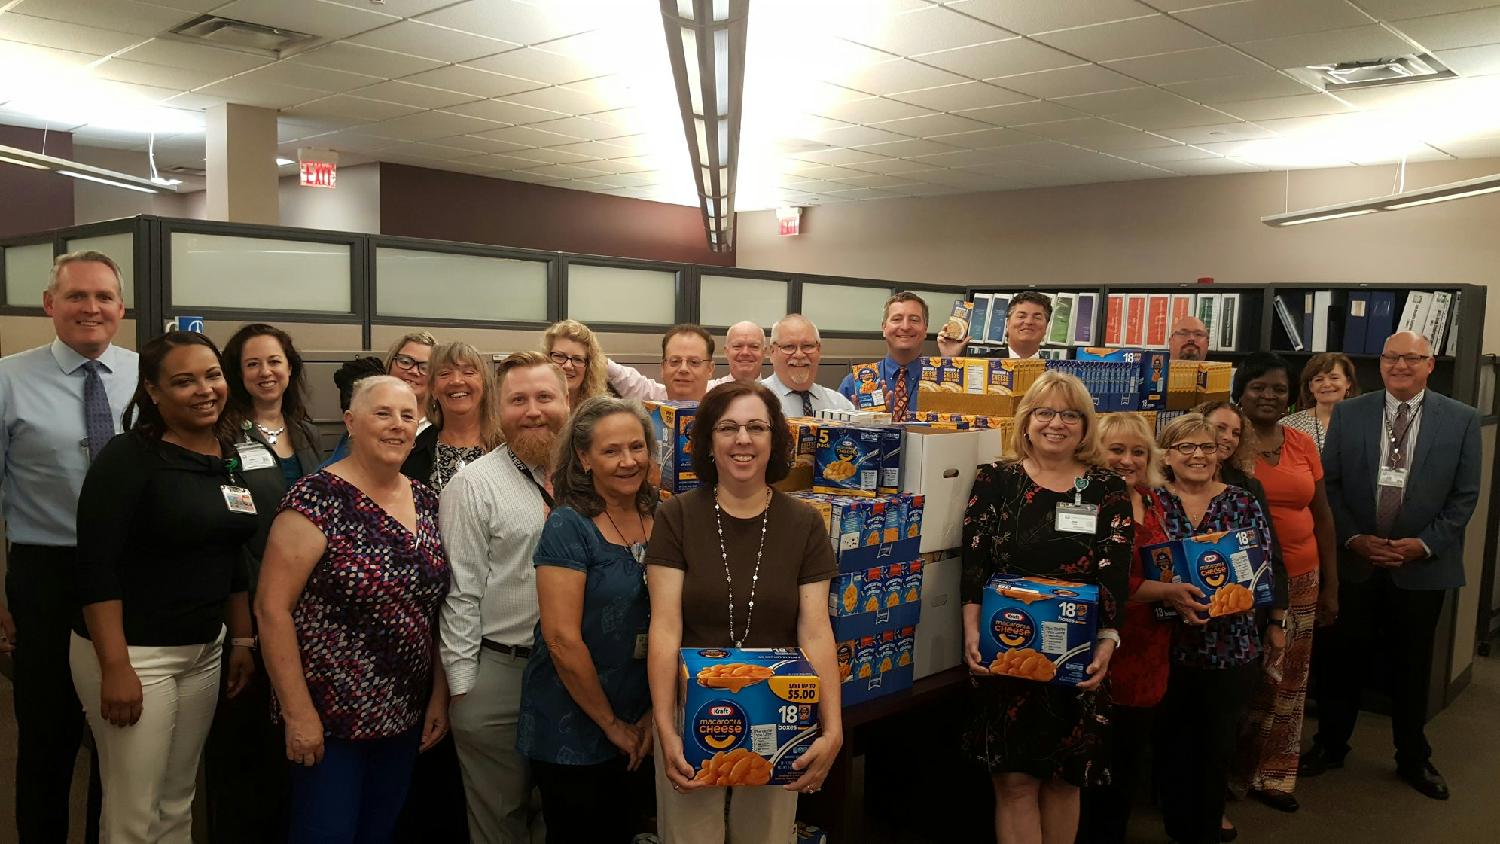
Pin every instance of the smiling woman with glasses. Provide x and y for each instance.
(407, 360)
(575, 349)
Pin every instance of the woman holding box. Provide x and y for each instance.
(1054, 512)
(735, 563)
(1214, 664)
(585, 719)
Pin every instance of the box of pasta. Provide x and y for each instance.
(1037, 628)
(848, 461)
(672, 430)
(747, 713)
(1232, 568)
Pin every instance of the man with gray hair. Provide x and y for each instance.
(744, 343)
(59, 404)
(796, 350)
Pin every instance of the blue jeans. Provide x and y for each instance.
(355, 794)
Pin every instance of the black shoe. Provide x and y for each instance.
(1318, 760)
(1278, 800)
(1425, 779)
(1229, 834)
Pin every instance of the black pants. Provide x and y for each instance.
(49, 718)
(1205, 710)
(1105, 811)
(1378, 622)
(245, 765)
(592, 804)
(435, 807)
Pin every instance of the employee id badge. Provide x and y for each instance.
(1393, 477)
(238, 499)
(255, 456)
(640, 646)
(1077, 518)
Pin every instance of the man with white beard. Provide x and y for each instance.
(492, 514)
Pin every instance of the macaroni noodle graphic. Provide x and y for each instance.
(733, 676)
(735, 767)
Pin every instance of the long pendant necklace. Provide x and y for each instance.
(754, 575)
(637, 549)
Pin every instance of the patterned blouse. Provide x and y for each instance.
(365, 618)
(1227, 641)
(1307, 422)
(447, 460)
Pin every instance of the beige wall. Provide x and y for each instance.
(352, 206)
(1152, 231)
(19, 333)
(94, 202)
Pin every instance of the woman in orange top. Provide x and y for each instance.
(1289, 468)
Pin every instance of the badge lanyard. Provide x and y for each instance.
(236, 496)
(526, 473)
(1077, 517)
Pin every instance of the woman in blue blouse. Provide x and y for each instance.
(585, 705)
(1215, 663)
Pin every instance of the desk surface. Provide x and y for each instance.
(922, 692)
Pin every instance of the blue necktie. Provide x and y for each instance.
(96, 416)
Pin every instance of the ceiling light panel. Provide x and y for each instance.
(327, 20)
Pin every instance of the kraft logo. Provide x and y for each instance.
(720, 711)
(1012, 627)
(1213, 569)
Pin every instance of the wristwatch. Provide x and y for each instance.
(243, 642)
(1280, 622)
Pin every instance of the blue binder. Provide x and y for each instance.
(1380, 320)
(1357, 322)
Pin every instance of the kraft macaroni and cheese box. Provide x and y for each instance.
(1037, 628)
(1232, 568)
(803, 452)
(1152, 374)
(747, 713)
(672, 429)
(870, 388)
(848, 461)
(890, 460)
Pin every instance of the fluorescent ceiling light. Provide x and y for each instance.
(18, 162)
(1396, 206)
(79, 170)
(1394, 202)
(1318, 218)
(103, 181)
(284, 162)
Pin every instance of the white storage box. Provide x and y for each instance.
(940, 465)
(940, 632)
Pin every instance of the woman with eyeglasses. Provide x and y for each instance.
(574, 348)
(1326, 380)
(1053, 511)
(1215, 663)
(407, 360)
(736, 563)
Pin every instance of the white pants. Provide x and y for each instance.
(765, 814)
(149, 770)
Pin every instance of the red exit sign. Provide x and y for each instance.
(319, 174)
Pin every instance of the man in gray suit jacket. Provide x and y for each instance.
(1402, 471)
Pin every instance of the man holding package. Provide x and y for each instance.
(892, 382)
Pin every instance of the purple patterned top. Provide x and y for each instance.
(365, 618)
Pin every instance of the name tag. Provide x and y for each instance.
(1077, 518)
(640, 646)
(238, 499)
(1393, 477)
(255, 456)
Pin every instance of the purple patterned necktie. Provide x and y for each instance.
(807, 408)
(1389, 504)
(96, 417)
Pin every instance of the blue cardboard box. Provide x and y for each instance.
(848, 461)
(747, 713)
(1233, 568)
(1151, 373)
(671, 430)
(1037, 628)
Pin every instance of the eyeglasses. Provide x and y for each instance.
(410, 364)
(793, 348)
(563, 360)
(1047, 414)
(1196, 335)
(690, 363)
(1409, 360)
(756, 429)
(1189, 449)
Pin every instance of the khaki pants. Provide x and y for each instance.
(764, 814)
(497, 779)
(149, 769)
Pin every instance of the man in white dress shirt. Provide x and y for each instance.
(796, 350)
(1026, 324)
(744, 342)
(492, 514)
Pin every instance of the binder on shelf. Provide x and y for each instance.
(1437, 319)
(1083, 319)
(1288, 323)
(1458, 299)
(1380, 321)
(1414, 312)
(979, 317)
(1135, 319)
(1357, 322)
(999, 310)
(1309, 307)
(1059, 330)
(1228, 338)
(1209, 312)
(1182, 306)
(1114, 320)
(1322, 302)
(1158, 305)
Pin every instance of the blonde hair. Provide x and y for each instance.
(452, 354)
(595, 380)
(80, 256)
(1186, 426)
(1114, 427)
(421, 338)
(1076, 397)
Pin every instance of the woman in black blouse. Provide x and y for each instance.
(1042, 742)
(163, 520)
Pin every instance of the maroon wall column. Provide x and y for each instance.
(34, 200)
(417, 202)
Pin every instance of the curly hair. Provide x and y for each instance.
(572, 485)
(712, 409)
(595, 379)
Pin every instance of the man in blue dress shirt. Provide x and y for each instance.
(59, 404)
(904, 327)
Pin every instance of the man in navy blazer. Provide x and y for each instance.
(1393, 577)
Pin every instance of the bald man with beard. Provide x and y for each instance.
(1189, 340)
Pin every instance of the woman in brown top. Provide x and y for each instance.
(735, 563)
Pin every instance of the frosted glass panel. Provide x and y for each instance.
(120, 247)
(27, 270)
(839, 307)
(252, 273)
(612, 294)
(724, 300)
(412, 283)
(939, 305)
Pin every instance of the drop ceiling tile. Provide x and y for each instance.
(1251, 86)
(1452, 31)
(161, 76)
(857, 136)
(896, 75)
(467, 80)
(59, 35)
(1128, 99)
(524, 176)
(509, 162)
(1171, 117)
(246, 91)
(632, 164)
(872, 110)
(579, 127)
(1338, 45)
(1019, 114)
(430, 124)
(194, 57)
(598, 46)
(1472, 61)
(1221, 133)
(986, 138)
(326, 20)
(479, 144)
(117, 15)
(438, 151)
(961, 96)
(400, 8)
(627, 120)
(907, 148)
(1126, 39)
(877, 180)
(1094, 132)
(195, 102)
(531, 63)
(501, 111)
(1029, 18)
(927, 29)
(558, 98)
(1260, 19)
(529, 136)
(1304, 105)
(961, 158)
(507, 20)
(1174, 153)
(838, 155)
(1188, 65)
(629, 179)
(289, 130)
(1000, 58)
(893, 166)
(932, 124)
(357, 58)
(308, 76)
(432, 42)
(1393, 10)
(1486, 148)
(590, 149)
(1212, 167)
(421, 96)
(1068, 81)
(554, 155)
